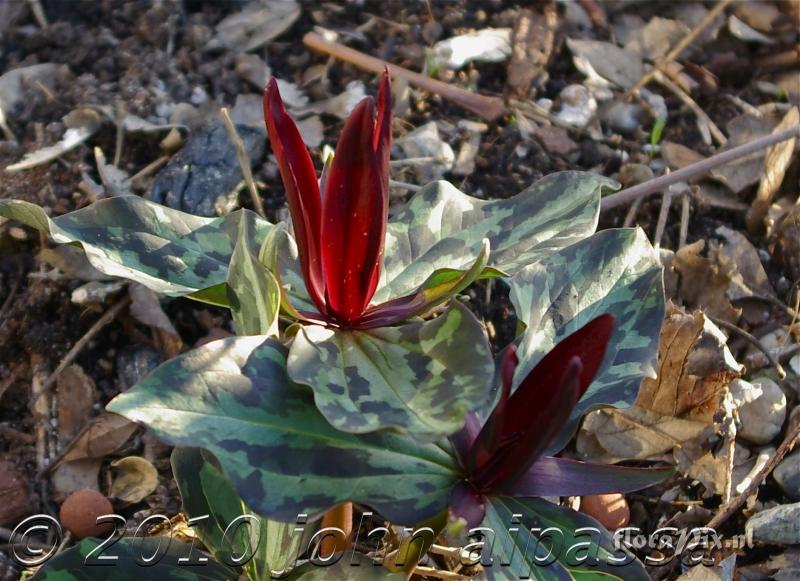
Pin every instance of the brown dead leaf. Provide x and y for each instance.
(146, 308)
(633, 434)
(776, 162)
(76, 396)
(14, 491)
(750, 277)
(531, 47)
(701, 282)
(678, 156)
(102, 436)
(743, 173)
(785, 241)
(694, 368)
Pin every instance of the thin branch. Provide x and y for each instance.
(679, 48)
(244, 161)
(702, 167)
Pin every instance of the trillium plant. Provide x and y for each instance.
(360, 379)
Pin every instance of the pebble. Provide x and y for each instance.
(624, 118)
(80, 510)
(610, 510)
(787, 475)
(780, 525)
(763, 417)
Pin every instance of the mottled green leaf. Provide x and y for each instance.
(131, 563)
(233, 398)
(253, 292)
(166, 250)
(421, 377)
(441, 227)
(576, 547)
(225, 524)
(613, 271)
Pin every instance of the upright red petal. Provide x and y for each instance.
(542, 403)
(302, 189)
(355, 212)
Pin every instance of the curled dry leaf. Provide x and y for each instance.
(744, 172)
(701, 282)
(776, 162)
(135, 478)
(694, 368)
(146, 308)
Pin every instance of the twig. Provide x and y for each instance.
(413, 160)
(663, 213)
(753, 341)
(432, 573)
(678, 48)
(119, 119)
(727, 510)
(628, 195)
(686, 207)
(11, 294)
(405, 186)
(244, 161)
(38, 13)
(490, 108)
(107, 317)
(149, 169)
(630, 217)
(18, 435)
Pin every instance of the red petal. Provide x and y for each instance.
(355, 212)
(541, 405)
(488, 439)
(302, 190)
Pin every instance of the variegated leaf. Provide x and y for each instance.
(613, 271)
(441, 227)
(166, 250)
(421, 377)
(253, 292)
(225, 524)
(137, 558)
(535, 539)
(233, 398)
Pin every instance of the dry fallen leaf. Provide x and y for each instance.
(744, 172)
(146, 308)
(103, 435)
(256, 24)
(76, 475)
(531, 47)
(135, 478)
(694, 368)
(606, 61)
(81, 125)
(701, 282)
(487, 45)
(776, 162)
(75, 391)
(656, 38)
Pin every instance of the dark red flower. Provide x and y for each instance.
(340, 231)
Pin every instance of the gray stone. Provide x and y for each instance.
(780, 525)
(787, 474)
(763, 417)
(206, 169)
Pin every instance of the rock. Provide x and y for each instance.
(205, 170)
(763, 417)
(780, 524)
(624, 118)
(787, 475)
(79, 514)
(611, 510)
